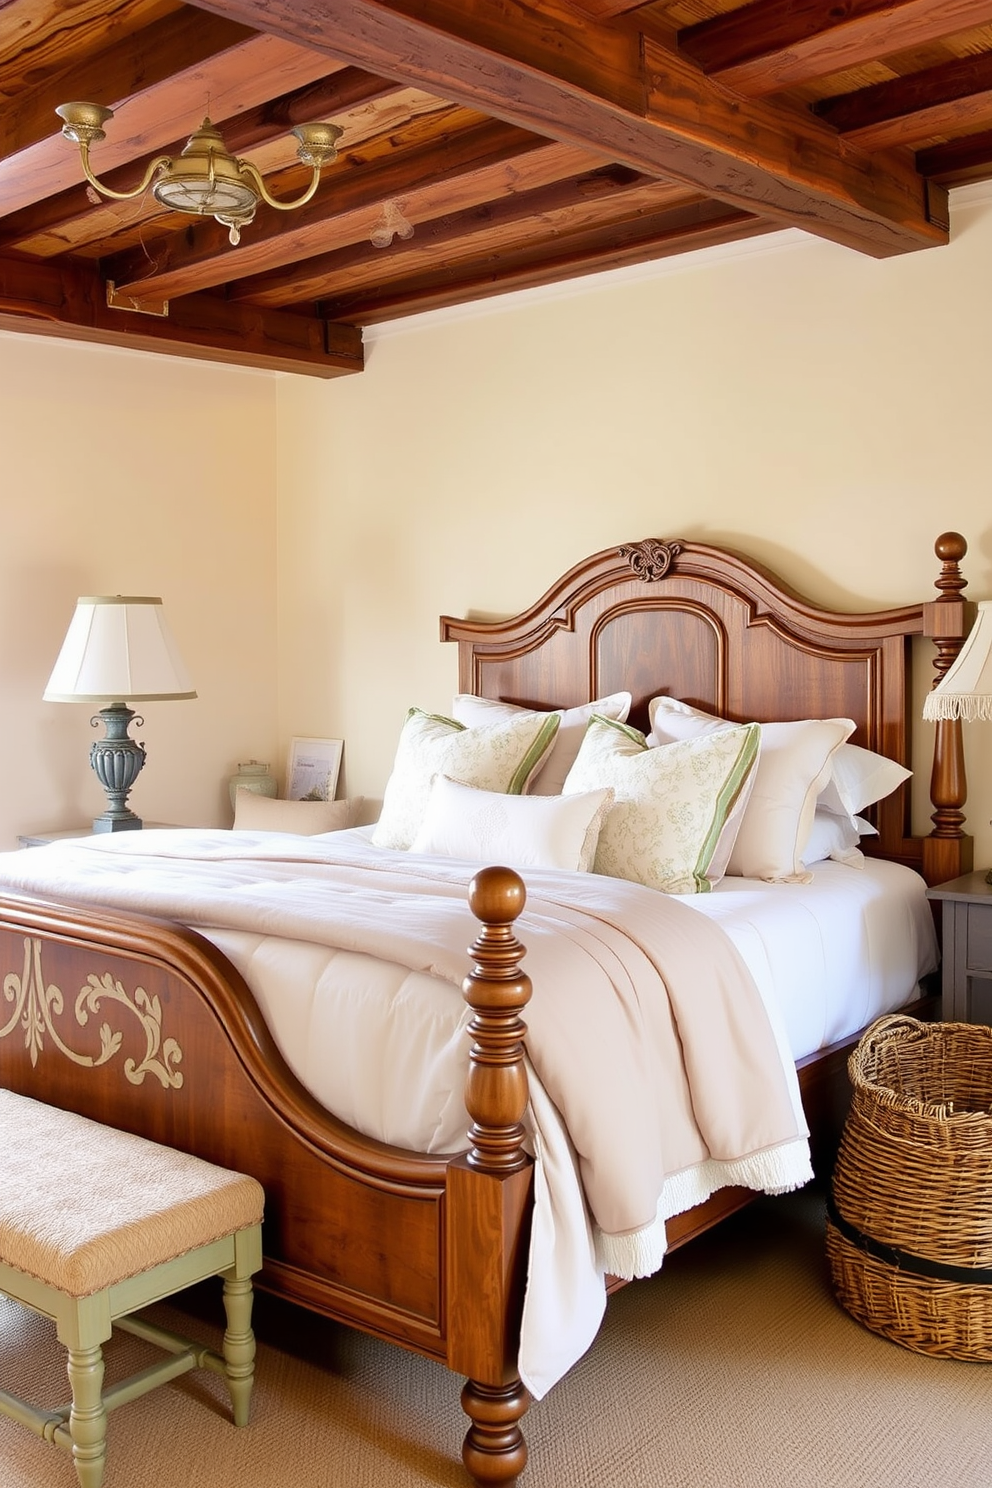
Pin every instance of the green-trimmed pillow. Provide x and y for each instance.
(473, 711)
(795, 765)
(677, 808)
(498, 757)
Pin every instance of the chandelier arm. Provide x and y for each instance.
(164, 162)
(247, 169)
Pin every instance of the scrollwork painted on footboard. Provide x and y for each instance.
(37, 1009)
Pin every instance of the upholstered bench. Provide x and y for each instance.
(96, 1223)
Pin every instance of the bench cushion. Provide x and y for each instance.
(83, 1206)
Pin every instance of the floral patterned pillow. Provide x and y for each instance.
(794, 766)
(550, 779)
(677, 807)
(498, 757)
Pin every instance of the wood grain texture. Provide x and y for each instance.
(774, 44)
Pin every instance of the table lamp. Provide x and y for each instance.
(118, 650)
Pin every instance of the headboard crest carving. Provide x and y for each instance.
(650, 559)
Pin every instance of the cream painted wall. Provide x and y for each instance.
(112, 480)
(823, 411)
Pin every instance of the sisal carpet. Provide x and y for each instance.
(733, 1368)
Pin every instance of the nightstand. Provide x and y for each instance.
(38, 839)
(967, 948)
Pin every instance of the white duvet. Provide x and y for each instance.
(394, 1031)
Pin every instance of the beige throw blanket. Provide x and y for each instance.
(645, 1029)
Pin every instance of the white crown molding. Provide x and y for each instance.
(966, 196)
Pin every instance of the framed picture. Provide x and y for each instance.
(312, 773)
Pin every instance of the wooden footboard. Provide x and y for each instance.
(144, 1025)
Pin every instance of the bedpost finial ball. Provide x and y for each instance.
(950, 547)
(497, 896)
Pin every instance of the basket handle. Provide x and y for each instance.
(864, 1050)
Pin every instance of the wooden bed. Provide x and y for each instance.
(144, 1025)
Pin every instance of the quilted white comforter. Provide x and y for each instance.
(657, 1074)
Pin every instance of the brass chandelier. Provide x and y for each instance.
(205, 180)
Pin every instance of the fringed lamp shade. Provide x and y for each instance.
(965, 690)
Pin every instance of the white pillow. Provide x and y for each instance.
(519, 831)
(833, 836)
(255, 813)
(672, 825)
(550, 778)
(501, 757)
(858, 778)
(793, 768)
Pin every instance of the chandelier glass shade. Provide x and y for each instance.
(205, 180)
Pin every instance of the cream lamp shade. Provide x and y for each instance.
(118, 650)
(965, 690)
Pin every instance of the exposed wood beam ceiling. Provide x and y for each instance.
(523, 141)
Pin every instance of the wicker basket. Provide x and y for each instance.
(909, 1229)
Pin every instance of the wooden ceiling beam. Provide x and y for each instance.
(771, 45)
(469, 230)
(601, 87)
(70, 301)
(199, 256)
(323, 99)
(135, 62)
(32, 32)
(905, 110)
(240, 78)
(814, 171)
(702, 224)
(607, 10)
(966, 159)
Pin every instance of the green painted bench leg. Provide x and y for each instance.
(87, 1418)
(239, 1345)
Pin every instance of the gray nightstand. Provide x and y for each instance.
(967, 937)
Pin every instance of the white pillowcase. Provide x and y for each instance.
(793, 767)
(833, 836)
(255, 813)
(518, 831)
(502, 757)
(672, 825)
(858, 778)
(550, 778)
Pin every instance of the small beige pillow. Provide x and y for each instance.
(255, 813)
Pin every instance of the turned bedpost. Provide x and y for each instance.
(947, 851)
(497, 991)
(488, 1191)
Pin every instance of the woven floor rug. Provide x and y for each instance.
(733, 1368)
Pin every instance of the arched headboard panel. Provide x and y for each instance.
(710, 626)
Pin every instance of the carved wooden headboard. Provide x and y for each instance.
(720, 631)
